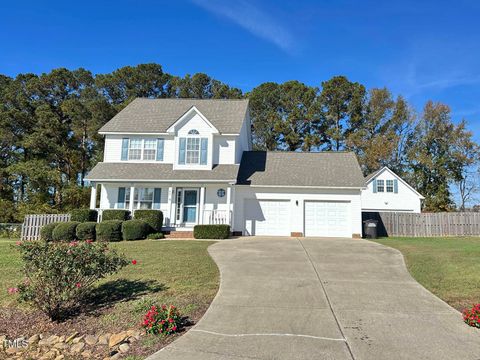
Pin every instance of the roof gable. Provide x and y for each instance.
(377, 173)
(156, 116)
(185, 118)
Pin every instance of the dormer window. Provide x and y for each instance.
(193, 149)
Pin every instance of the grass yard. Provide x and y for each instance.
(449, 267)
(167, 272)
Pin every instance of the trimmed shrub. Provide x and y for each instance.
(135, 229)
(46, 232)
(154, 218)
(59, 276)
(155, 236)
(110, 230)
(115, 214)
(86, 230)
(211, 231)
(65, 231)
(83, 215)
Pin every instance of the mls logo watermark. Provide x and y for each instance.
(19, 343)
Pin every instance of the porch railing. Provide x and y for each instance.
(214, 217)
(210, 217)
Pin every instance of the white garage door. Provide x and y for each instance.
(267, 217)
(330, 219)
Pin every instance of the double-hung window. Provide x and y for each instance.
(135, 149)
(389, 186)
(142, 149)
(380, 186)
(142, 198)
(193, 150)
(149, 149)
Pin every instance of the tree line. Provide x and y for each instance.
(49, 125)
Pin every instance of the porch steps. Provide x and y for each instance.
(179, 235)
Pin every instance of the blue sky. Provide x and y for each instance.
(421, 49)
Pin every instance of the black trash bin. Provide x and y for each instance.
(370, 229)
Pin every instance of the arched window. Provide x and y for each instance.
(193, 132)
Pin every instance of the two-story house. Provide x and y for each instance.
(193, 160)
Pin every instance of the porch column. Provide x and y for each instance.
(169, 206)
(132, 197)
(229, 202)
(93, 196)
(172, 209)
(233, 201)
(202, 205)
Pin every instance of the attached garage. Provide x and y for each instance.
(267, 217)
(327, 218)
(298, 194)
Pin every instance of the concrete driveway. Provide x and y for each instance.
(284, 298)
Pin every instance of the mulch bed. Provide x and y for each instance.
(17, 322)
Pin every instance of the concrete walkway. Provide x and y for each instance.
(283, 298)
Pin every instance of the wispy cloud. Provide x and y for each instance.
(415, 81)
(250, 17)
(441, 81)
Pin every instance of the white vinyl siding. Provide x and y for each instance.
(399, 198)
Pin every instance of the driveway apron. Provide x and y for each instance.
(317, 298)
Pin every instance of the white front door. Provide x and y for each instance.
(327, 218)
(267, 217)
(187, 206)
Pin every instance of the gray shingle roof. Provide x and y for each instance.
(157, 115)
(372, 175)
(323, 169)
(159, 172)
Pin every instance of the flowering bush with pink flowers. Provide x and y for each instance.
(163, 320)
(472, 316)
(58, 275)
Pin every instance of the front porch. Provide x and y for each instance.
(183, 205)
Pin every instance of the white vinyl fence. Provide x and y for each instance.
(33, 223)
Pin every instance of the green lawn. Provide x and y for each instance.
(167, 272)
(10, 266)
(449, 267)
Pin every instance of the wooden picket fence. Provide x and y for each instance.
(426, 224)
(33, 223)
